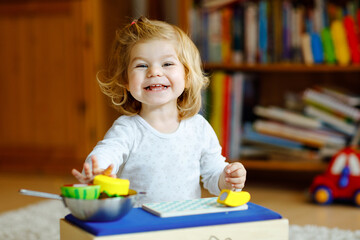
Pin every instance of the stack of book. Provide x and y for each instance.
(272, 31)
(327, 124)
(334, 108)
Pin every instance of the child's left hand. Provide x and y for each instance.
(234, 175)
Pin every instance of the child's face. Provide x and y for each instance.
(156, 76)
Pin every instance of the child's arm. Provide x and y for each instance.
(91, 173)
(233, 176)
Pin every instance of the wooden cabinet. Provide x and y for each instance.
(275, 79)
(52, 111)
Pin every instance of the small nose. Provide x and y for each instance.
(154, 71)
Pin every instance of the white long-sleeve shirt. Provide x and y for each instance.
(165, 166)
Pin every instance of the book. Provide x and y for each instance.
(333, 121)
(249, 135)
(308, 137)
(215, 37)
(217, 102)
(328, 46)
(257, 145)
(204, 47)
(292, 154)
(251, 32)
(270, 31)
(286, 32)
(277, 33)
(238, 33)
(252, 151)
(226, 41)
(306, 49)
(189, 207)
(352, 39)
(259, 150)
(195, 28)
(297, 15)
(214, 4)
(263, 32)
(318, 15)
(343, 95)
(331, 104)
(316, 48)
(340, 42)
(226, 115)
(236, 114)
(283, 115)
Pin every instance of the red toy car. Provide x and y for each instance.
(340, 181)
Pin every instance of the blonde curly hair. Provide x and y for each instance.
(114, 79)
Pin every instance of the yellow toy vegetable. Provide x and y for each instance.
(233, 199)
(112, 186)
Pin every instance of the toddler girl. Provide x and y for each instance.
(160, 142)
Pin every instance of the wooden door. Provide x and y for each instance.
(41, 85)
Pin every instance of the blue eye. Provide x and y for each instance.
(168, 64)
(141, 66)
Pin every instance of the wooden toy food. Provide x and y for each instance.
(233, 199)
(112, 186)
(81, 191)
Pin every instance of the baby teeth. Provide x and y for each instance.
(156, 86)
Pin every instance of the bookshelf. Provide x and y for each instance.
(274, 80)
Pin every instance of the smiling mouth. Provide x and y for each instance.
(156, 87)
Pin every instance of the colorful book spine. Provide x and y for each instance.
(305, 136)
(318, 15)
(332, 104)
(297, 15)
(215, 37)
(238, 34)
(250, 135)
(226, 16)
(263, 31)
(331, 120)
(270, 28)
(358, 22)
(226, 115)
(204, 48)
(286, 33)
(217, 103)
(286, 116)
(342, 95)
(340, 42)
(316, 48)
(236, 115)
(328, 46)
(277, 24)
(251, 32)
(352, 39)
(306, 49)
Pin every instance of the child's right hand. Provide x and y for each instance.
(91, 173)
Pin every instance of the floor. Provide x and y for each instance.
(290, 200)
